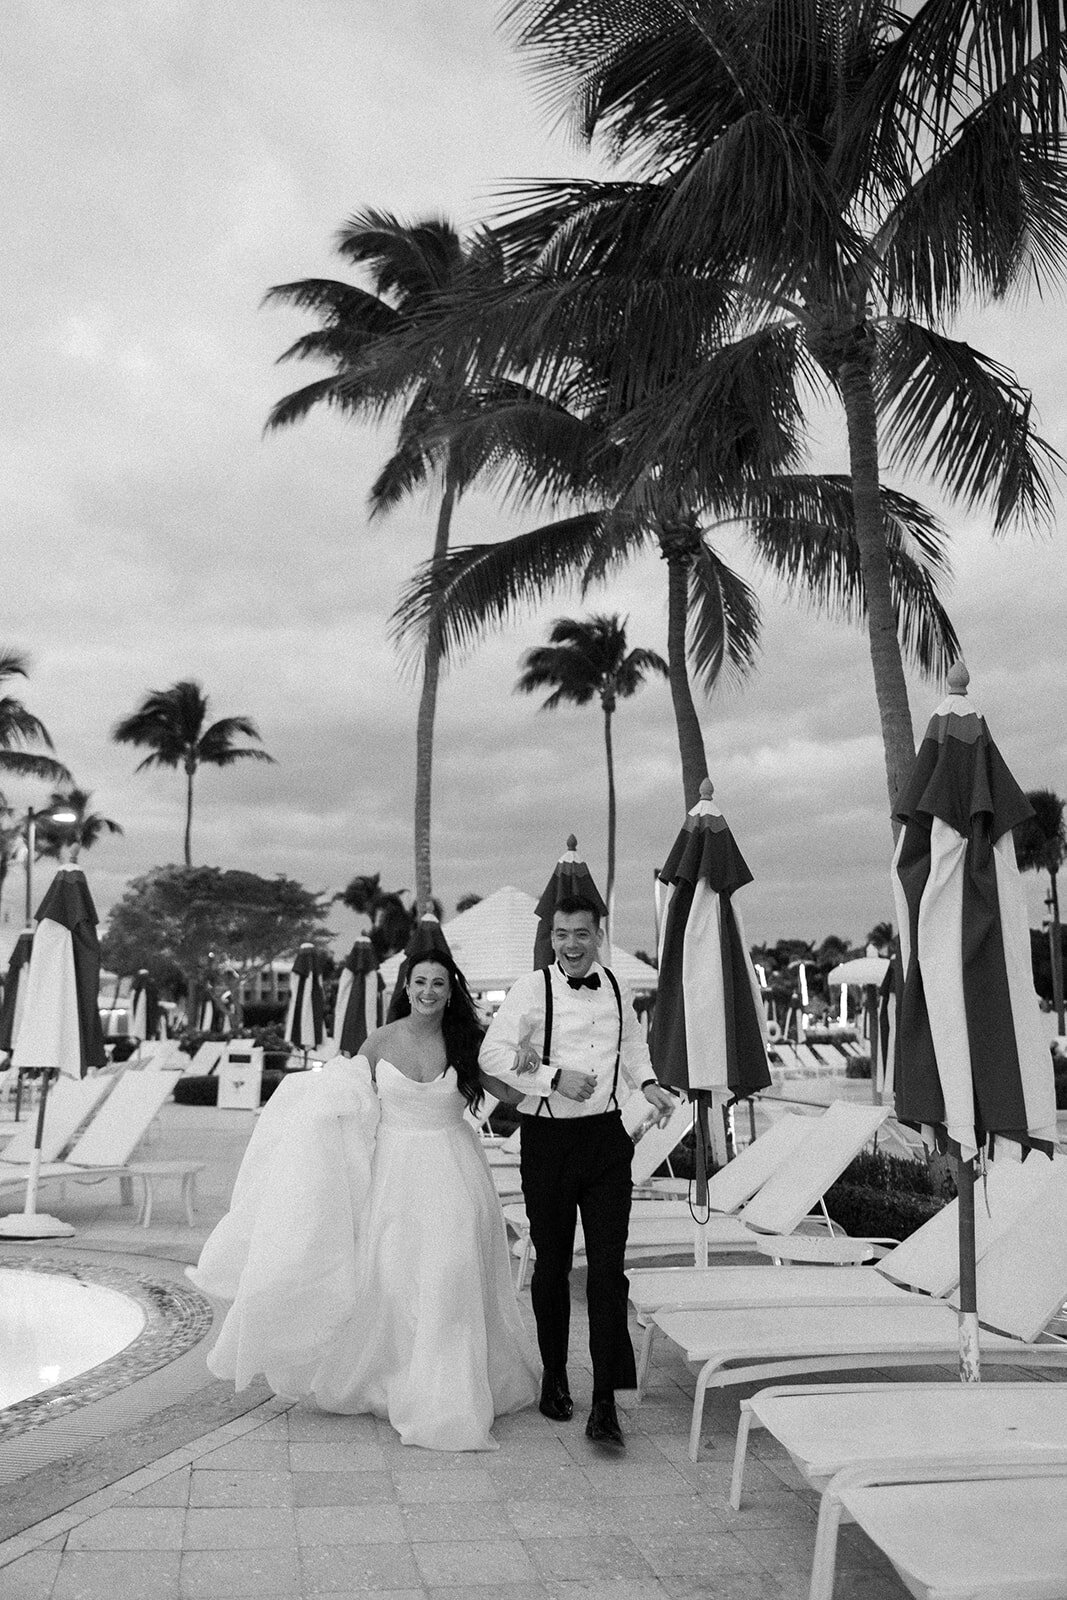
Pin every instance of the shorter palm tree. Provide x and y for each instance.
(1041, 846)
(170, 724)
(55, 837)
(586, 660)
(19, 728)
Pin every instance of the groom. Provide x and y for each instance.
(563, 1037)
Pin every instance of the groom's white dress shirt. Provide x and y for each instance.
(585, 1038)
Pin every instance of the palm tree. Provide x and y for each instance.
(54, 837)
(1041, 846)
(19, 728)
(392, 921)
(817, 186)
(587, 660)
(170, 724)
(411, 265)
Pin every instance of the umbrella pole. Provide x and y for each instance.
(970, 1361)
(32, 1224)
(872, 1040)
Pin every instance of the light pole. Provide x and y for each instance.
(60, 814)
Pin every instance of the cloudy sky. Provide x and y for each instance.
(166, 164)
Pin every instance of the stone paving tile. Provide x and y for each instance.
(487, 1591)
(342, 1488)
(429, 1523)
(588, 1559)
(31, 1577)
(690, 1555)
(337, 1456)
(308, 1426)
(106, 1574)
(423, 1488)
(173, 1490)
(239, 1528)
(614, 1477)
(738, 1586)
(247, 1455)
(560, 1519)
(240, 1489)
(370, 1524)
(473, 1562)
(338, 1569)
(214, 1574)
(608, 1589)
(517, 1480)
(130, 1528)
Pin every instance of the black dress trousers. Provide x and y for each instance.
(573, 1166)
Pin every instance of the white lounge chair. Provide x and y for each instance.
(1022, 1282)
(108, 1141)
(772, 1186)
(956, 1529)
(826, 1428)
(927, 1261)
(70, 1102)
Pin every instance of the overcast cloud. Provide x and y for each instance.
(165, 165)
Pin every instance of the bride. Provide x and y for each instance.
(364, 1249)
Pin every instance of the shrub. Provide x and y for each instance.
(1060, 1079)
(203, 1089)
(867, 1212)
(858, 1067)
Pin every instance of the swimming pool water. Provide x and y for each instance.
(53, 1327)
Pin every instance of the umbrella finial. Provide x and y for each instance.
(572, 841)
(707, 788)
(958, 678)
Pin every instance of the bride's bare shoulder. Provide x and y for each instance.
(376, 1045)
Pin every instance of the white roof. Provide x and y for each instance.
(493, 945)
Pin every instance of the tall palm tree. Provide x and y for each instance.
(410, 266)
(814, 187)
(588, 660)
(19, 728)
(82, 834)
(1041, 846)
(171, 724)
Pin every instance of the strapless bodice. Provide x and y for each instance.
(418, 1107)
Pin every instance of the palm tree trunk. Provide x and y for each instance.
(609, 896)
(431, 671)
(857, 393)
(1055, 939)
(690, 738)
(189, 770)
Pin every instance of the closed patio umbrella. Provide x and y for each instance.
(708, 1029)
(15, 980)
(358, 1009)
(869, 974)
(970, 1062)
(570, 876)
(146, 1015)
(305, 1024)
(60, 1030)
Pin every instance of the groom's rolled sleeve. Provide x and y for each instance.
(634, 1059)
(497, 1055)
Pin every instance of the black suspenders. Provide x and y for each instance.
(546, 1048)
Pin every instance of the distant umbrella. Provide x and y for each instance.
(708, 1027)
(15, 980)
(970, 1059)
(870, 974)
(305, 1024)
(60, 1030)
(570, 876)
(146, 1015)
(358, 1009)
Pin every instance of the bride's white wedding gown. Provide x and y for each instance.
(366, 1257)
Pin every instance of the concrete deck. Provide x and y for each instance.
(178, 1490)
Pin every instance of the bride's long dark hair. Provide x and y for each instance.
(461, 1026)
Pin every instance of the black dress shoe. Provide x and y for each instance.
(556, 1400)
(603, 1425)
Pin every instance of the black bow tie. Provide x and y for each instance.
(591, 982)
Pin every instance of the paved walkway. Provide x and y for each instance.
(285, 1502)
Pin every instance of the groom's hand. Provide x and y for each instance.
(575, 1085)
(663, 1102)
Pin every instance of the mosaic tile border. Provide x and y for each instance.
(177, 1316)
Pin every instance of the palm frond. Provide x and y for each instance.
(411, 261)
(24, 764)
(18, 726)
(722, 636)
(13, 663)
(957, 414)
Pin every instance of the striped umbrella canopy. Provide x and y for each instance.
(570, 876)
(428, 940)
(60, 1030)
(708, 1031)
(358, 1009)
(146, 1016)
(15, 980)
(970, 1063)
(305, 1024)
